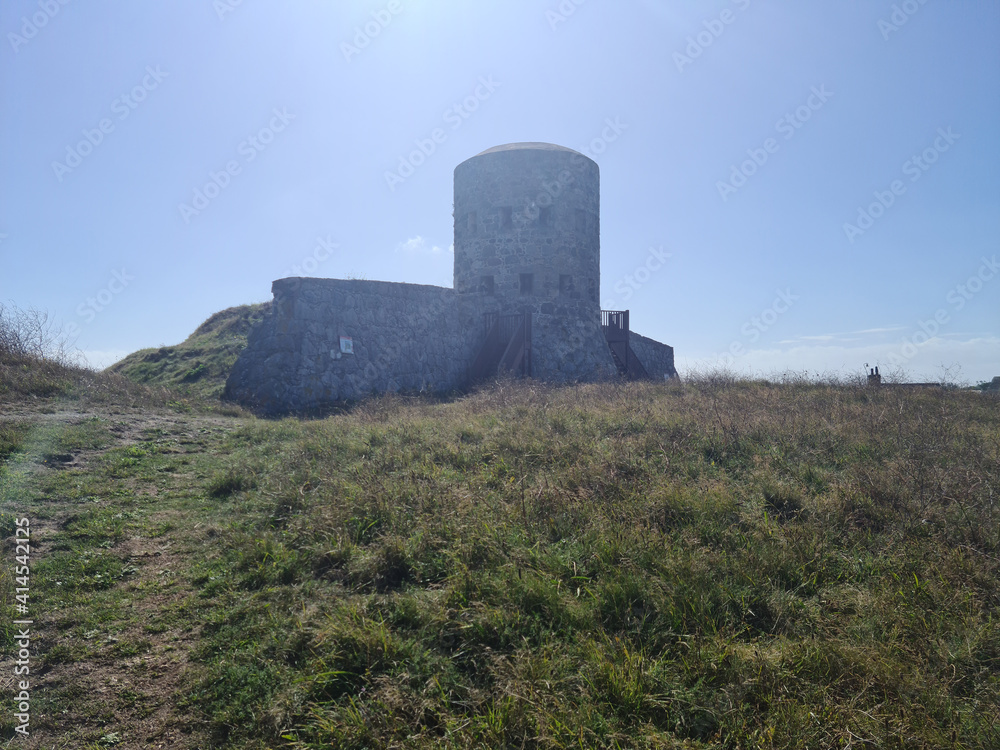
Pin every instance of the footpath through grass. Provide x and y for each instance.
(732, 565)
(112, 499)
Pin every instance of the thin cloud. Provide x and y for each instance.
(418, 245)
(888, 329)
(844, 337)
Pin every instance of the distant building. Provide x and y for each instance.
(524, 301)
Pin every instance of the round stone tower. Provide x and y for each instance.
(527, 227)
(527, 240)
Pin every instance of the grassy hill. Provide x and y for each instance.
(200, 365)
(712, 564)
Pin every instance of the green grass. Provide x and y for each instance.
(633, 566)
(199, 366)
(706, 565)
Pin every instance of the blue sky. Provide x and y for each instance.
(785, 186)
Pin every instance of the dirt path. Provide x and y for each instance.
(111, 669)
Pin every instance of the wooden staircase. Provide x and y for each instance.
(506, 350)
(616, 332)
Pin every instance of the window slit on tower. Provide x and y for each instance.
(506, 218)
(527, 282)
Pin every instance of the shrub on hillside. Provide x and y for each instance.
(29, 334)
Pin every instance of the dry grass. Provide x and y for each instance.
(715, 564)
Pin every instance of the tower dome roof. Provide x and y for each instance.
(528, 145)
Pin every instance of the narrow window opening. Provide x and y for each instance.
(527, 282)
(507, 218)
(581, 220)
(565, 283)
(486, 284)
(545, 215)
(472, 222)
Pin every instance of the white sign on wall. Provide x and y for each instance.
(346, 345)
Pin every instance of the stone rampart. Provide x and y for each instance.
(657, 358)
(396, 337)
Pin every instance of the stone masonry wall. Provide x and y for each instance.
(568, 349)
(531, 211)
(657, 358)
(407, 337)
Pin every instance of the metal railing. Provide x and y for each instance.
(616, 331)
